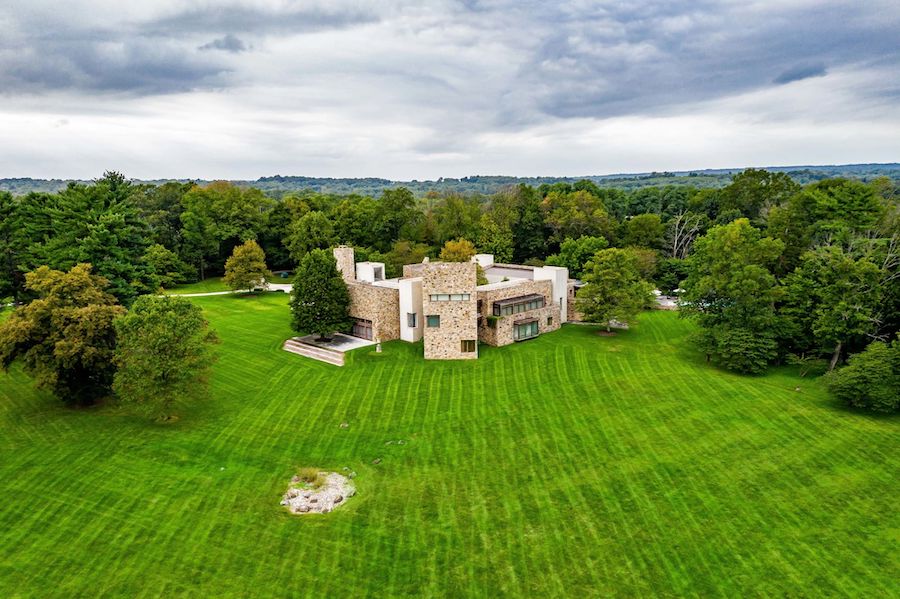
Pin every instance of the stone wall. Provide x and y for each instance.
(459, 318)
(346, 262)
(573, 314)
(381, 305)
(501, 333)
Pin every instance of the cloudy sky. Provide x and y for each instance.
(417, 90)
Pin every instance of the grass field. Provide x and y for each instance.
(205, 286)
(572, 464)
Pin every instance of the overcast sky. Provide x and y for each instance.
(419, 90)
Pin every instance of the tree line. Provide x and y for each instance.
(772, 271)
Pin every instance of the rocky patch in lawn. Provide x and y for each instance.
(317, 494)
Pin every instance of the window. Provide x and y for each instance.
(433, 321)
(449, 297)
(411, 320)
(378, 273)
(526, 330)
(467, 346)
(549, 321)
(517, 305)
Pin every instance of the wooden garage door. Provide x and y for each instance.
(362, 328)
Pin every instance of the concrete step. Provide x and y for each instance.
(316, 353)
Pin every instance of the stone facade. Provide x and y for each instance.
(346, 263)
(498, 331)
(458, 318)
(381, 305)
(573, 314)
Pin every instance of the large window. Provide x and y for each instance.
(433, 321)
(525, 330)
(517, 305)
(449, 297)
(467, 346)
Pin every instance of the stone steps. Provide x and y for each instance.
(316, 353)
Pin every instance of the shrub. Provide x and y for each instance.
(871, 379)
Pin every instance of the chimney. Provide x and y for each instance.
(346, 262)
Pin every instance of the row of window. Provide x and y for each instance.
(449, 297)
(510, 309)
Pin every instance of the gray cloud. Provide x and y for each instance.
(386, 85)
(800, 72)
(228, 43)
(260, 20)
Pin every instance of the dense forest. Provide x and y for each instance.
(771, 270)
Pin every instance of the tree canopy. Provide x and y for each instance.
(65, 338)
(320, 300)
(246, 268)
(614, 288)
(163, 354)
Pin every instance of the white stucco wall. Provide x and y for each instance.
(411, 302)
(559, 277)
(370, 271)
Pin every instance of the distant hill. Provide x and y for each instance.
(487, 184)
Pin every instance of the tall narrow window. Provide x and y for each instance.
(411, 320)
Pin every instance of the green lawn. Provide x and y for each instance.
(205, 286)
(572, 464)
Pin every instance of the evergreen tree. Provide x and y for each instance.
(320, 300)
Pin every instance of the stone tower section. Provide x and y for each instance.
(450, 309)
(346, 262)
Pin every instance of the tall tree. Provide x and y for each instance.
(65, 337)
(834, 297)
(645, 230)
(753, 192)
(614, 288)
(730, 291)
(96, 224)
(574, 254)
(163, 354)
(246, 268)
(495, 240)
(12, 279)
(396, 211)
(219, 216)
(166, 268)
(313, 231)
(320, 301)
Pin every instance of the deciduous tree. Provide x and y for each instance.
(163, 354)
(575, 253)
(65, 338)
(246, 268)
(614, 288)
(730, 291)
(871, 379)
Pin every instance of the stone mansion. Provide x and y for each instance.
(442, 303)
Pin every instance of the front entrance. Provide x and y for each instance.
(362, 328)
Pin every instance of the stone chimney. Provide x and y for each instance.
(346, 262)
